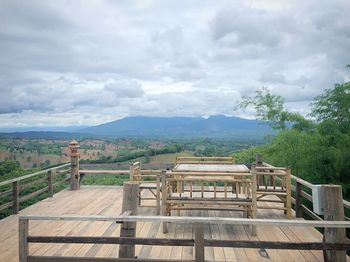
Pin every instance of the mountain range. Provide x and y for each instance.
(160, 127)
(178, 127)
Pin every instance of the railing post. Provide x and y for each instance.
(128, 229)
(298, 206)
(23, 247)
(49, 183)
(158, 195)
(254, 198)
(334, 211)
(199, 242)
(131, 177)
(289, 193)
(15, 197)
(74, 157)
(258, 159)
(259, 162)
(164, 197)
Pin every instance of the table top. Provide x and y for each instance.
(211, 167)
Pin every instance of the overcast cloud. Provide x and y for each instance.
(88, 62)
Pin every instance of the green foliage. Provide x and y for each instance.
(270, 108)
(105, 179)
(247, 156)
(8, 166)
(334, 105)
(318, 152)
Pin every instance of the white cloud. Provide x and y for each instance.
(88, 62)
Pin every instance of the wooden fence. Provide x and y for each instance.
(199, 242)
(14, 187)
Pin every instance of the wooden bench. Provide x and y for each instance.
(274, 181)
(149, 180)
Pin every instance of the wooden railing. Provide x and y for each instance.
(199, 242)
(302, 190)
(12, 188)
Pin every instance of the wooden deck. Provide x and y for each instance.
(103, 200)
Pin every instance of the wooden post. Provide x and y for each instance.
(259, 162)
(74, 174)
(158, 195)
(15, 196)
(164, 197)
(131, 178)
(298, 207)
(334, 211)
(23, 247)
(289, 194)
(128, 229)
(258, 158)
(254, 198)
(49, 183)
(199, 242)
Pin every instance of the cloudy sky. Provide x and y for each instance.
(88, 62)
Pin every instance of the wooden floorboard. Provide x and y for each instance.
(100, 200)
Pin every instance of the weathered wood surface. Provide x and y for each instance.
(128, 229)
(106, 201)
(211, 167)
(334, 211)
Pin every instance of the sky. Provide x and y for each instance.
(66, 63)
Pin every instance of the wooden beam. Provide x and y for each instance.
(15, 197)
(49, 183)
(101, 171)
(6, 193)
(33, 194)
(97, 259)
(23, 247)
(277, 245)
(288, 203)
(6, 205)
(208, 174)
(298, 207)
(309, 212)
(112, 240)
(164, 200)
(334, 211)
(128, 229)
(209, 220)
(74, 171)
(199, 242)
(158, 196)
(191, 242)
(254, 199)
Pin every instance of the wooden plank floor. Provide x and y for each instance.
(99, 200)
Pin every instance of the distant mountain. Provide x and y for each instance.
(48, 129)
(181, 127)
(44, 134)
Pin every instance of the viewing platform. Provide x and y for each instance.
(107, 201)
(203, 209)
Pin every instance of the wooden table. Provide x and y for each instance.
(214, 186)
(211, 168)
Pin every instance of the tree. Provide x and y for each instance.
(7, 167)
(270, 108)
(334, 104)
